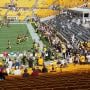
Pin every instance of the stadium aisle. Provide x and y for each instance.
(34, 35)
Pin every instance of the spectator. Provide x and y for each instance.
(26, 74)
(17, 63)
(10, 63)
(44, 69)
(24, 60)
(88, 57)
(82, 59)
(40, 61)
(30, 62)
(35, 72)
(76, 59)
(53, 68)
(38, 69)
(3, 73)
(17, 71)
(62, 63)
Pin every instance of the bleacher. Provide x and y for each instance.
(3, 3)
(59, 81)
(69, 28)
(30, 3)
(39, 6)
(21, 14)
(72, 3)
(63, 24)
(24, 3)
(3, 12)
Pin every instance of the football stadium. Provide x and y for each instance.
(44, 44)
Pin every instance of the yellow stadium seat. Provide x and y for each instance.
(40, 7)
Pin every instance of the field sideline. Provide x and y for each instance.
(10, 33)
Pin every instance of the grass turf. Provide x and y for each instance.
(10, 33)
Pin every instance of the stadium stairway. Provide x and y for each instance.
(34, 35)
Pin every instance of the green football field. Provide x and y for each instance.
(10, 33)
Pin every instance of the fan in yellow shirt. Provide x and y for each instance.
(40, 61)
(82, 59)
(1, 63)
(63, 48)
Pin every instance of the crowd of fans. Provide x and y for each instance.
(80, 52)
(62, 52)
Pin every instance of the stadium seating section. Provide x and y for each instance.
(41, 7)
(71, 3)
(60, 81)
(21, 14)
(75, 29)
(42, 3)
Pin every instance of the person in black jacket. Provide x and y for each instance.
(44, 69)
(30, 62)
(3, 74)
